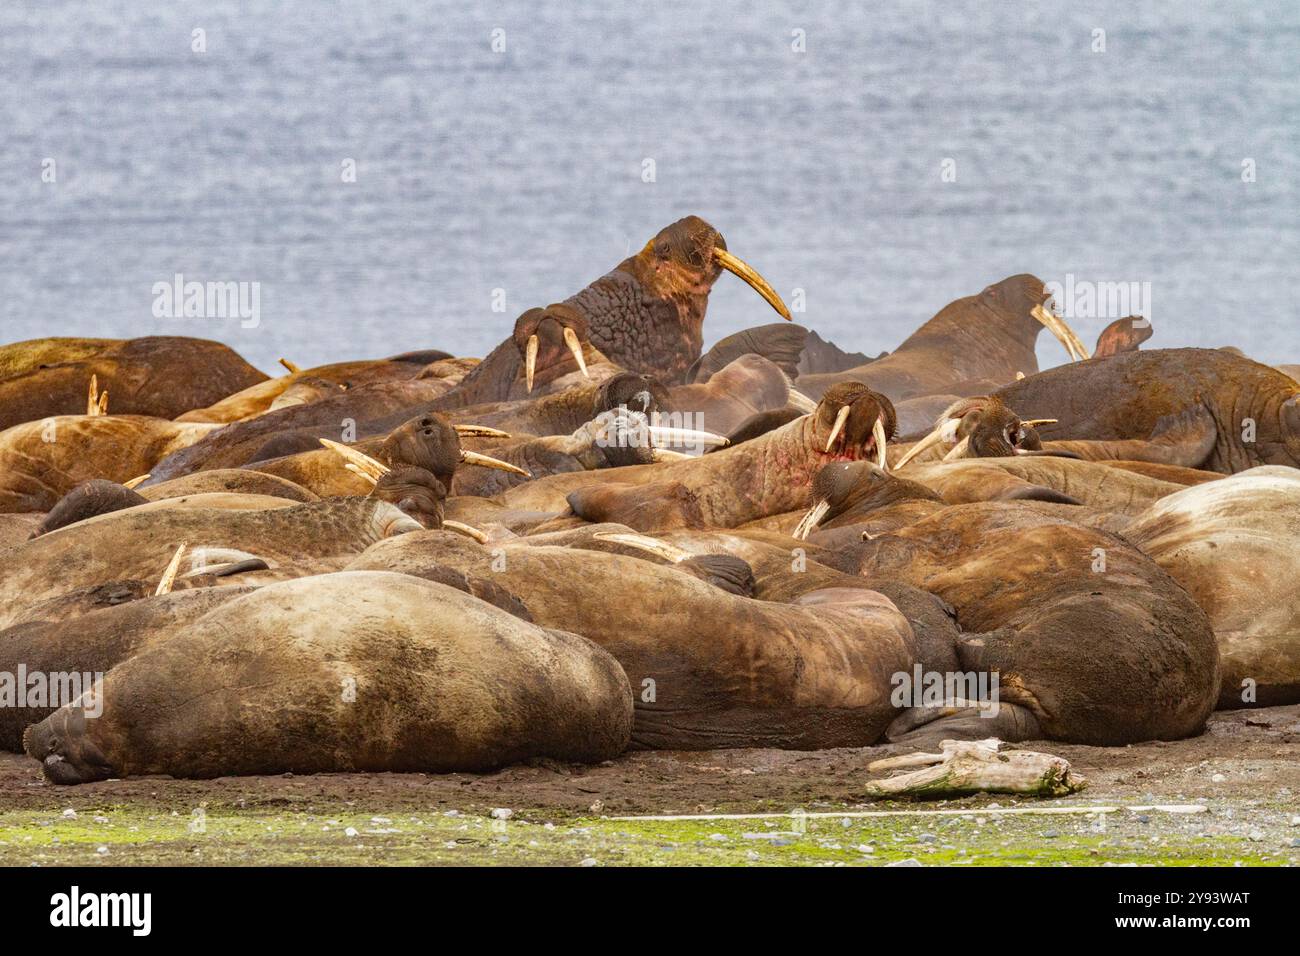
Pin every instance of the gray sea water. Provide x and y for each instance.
(523, 169)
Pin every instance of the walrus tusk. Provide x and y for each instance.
(363, 462)
(468, 531)
(293, 369)
(685, 436)
(958, 450)
(484, 461)
(661, 549)
(755, 281)
(530, 361)
(357, 470)
(944, 431)
(878, 432)
(480, 431)
(841, 417)
(1035, 422)
(96, 404)
(169, 576)
(1064, 334)
(571, 340)
(811, 519)
(138, 480)
(663, 454)
(802, 402)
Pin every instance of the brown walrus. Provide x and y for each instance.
(989, 336)
(161, 376)
(708, 669)
(1092, 642)
(358, 671)
(647, 315)
(1196, 408)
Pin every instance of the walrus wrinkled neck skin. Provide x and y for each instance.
(639, 330)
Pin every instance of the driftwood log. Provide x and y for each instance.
(975, 766)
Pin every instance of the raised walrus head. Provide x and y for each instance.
(982, 427)
(648, 314)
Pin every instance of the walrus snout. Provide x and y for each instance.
(66, 753)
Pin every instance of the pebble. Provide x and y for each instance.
(1218, 778)
(70, 813)
(351, 831)
(908, 862)
(588, 861)
(502, 813)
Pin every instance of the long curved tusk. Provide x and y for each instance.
(1064, 334)
(103, 402)
(293, 369)
(946, 430)
(840, 418)
(1035, 422)
(530, 361)
(467, 530)
(739, 267)
(801, 401)
(958, 450)
(480, 431)
(363, 462)
(663, 454)
(484, 461)
(358, 470)
(811, 519)
(685, 436)
(136, 481)
(571, 340)
(661, 549)
(882, 440)
(169, 576)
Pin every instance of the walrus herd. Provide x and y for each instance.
(602, 536)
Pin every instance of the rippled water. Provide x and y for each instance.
(522, 170)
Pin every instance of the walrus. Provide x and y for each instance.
(647, 315)
(708, 669)
(990, 336)
(159, 376)
(42, 461)
(564, 412)
(766, 475)
(138, 543)
(357, 671)
(1196, 408)
(1091, 640)
(546, 347)
(1232, 545)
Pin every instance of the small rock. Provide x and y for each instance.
(1218, 778)
(1295, 821)
(502, 813)
(597, 806)
(1143, 818)
(351, 831)
(1050, 835)
(589, 861)
(908, 862)
(70, 813)
(926, 838)
(102, 850)
(1255, 836)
